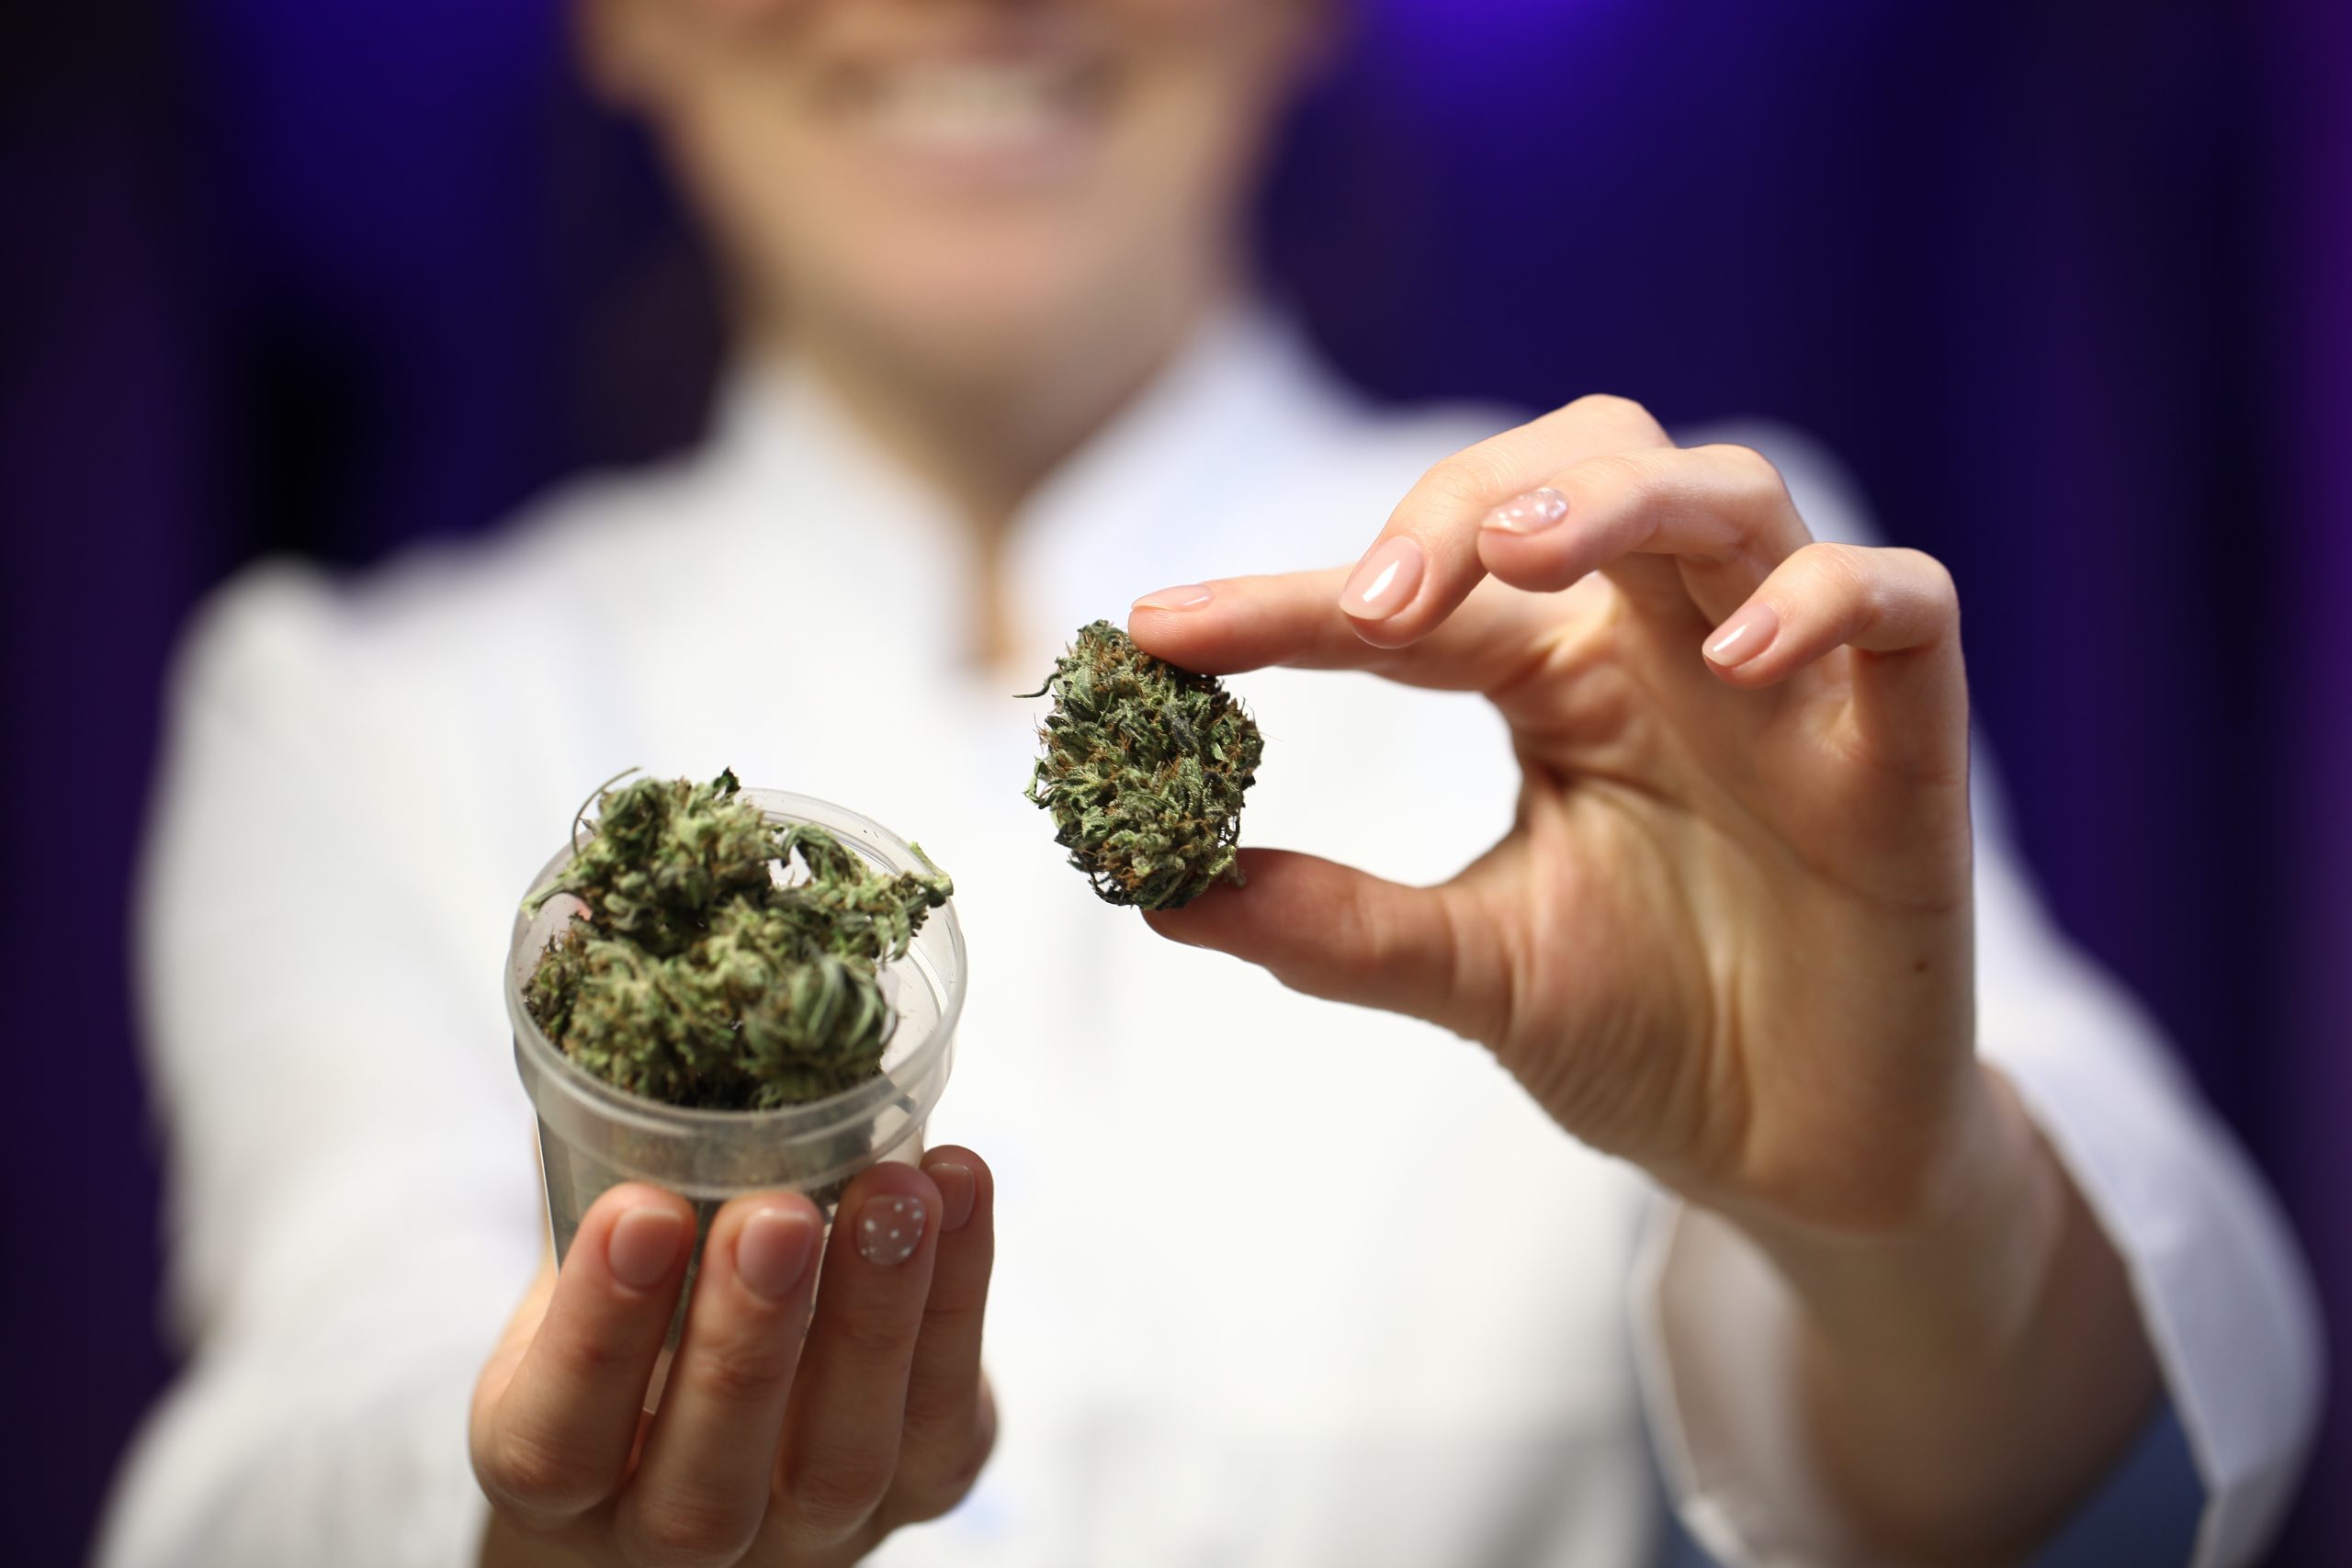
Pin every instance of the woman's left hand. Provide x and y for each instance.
(1728, 936)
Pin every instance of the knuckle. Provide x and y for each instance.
(957, 1296)
(835, 1489)
(1473, 477)
(930, 1496)
(1619, 414)
(1625, 475)
(934, 1391)
(1750, 466)
(588, 1358)
(927, 1491)
(1359, 927)
(1837, 572)
(682, 1530)
(873, 1340)
(736, 1374)
(1481, 977)
(521, 1471)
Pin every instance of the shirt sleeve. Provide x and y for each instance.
(2220, 1285)
(350, 1197)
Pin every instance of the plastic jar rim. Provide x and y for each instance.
(818, 1117)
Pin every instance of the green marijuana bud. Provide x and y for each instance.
(1143, 770)
(698, 976)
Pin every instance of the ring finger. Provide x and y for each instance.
(1685, 534)
(840, 1447)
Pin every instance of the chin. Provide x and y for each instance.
(971, 302)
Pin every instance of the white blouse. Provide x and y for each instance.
(1279, 1282)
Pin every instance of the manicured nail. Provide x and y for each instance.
(889, 1230)
(772, 1250)
(1745, 635)
(644, 1246)
(1385, 580)
(1529, 514)
(1183, 596)
(957, 1187)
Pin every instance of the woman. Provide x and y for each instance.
(1283, 1282)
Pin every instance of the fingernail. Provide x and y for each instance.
(889, 1230)
(1529, 514)
(1745, 635)
(772, 1251)
(957, 1187)
(1385, 580)
(1183, 596)
(644, 1246)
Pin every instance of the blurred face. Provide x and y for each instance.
(969, 183)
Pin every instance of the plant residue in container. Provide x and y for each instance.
(698, 976)
(1143, 770)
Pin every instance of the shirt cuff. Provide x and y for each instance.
(2219, 1286)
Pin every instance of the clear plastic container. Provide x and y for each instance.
(593, 1135)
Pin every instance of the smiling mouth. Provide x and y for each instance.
(980, 119)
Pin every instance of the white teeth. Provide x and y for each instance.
(972, 105)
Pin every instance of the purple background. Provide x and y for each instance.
(2066, 282)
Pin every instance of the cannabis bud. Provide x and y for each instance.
(1143, 770)
(699, 976)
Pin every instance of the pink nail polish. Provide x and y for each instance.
(1183, 596)
(1529, 514)
(957, 1189)
(772, 1250)
(1385, 580)
(1747, 634)
(643, 1246)
(889, 1230)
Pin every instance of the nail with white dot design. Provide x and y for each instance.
(887, 1248)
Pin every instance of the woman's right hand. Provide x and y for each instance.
(798, 1425)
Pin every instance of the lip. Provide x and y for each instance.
(1005, 112)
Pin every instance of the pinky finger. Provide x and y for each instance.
(1897, 608)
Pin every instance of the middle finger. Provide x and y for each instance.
(702, 1486)
(1427, 558)
(1687, 535)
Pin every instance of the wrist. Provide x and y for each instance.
(1961, 1379)
(1959, 1279)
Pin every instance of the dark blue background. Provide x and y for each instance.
(2065, 283)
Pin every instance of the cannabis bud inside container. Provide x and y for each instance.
(719, 990)
(1143, 770)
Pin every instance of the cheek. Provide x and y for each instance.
(1209, 76)
(1252, 36)
(1235, 60)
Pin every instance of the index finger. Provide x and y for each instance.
(553, 1428)
(1234, 624)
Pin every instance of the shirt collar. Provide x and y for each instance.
(1155, 493)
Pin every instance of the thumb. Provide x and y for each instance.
(1333, 931)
